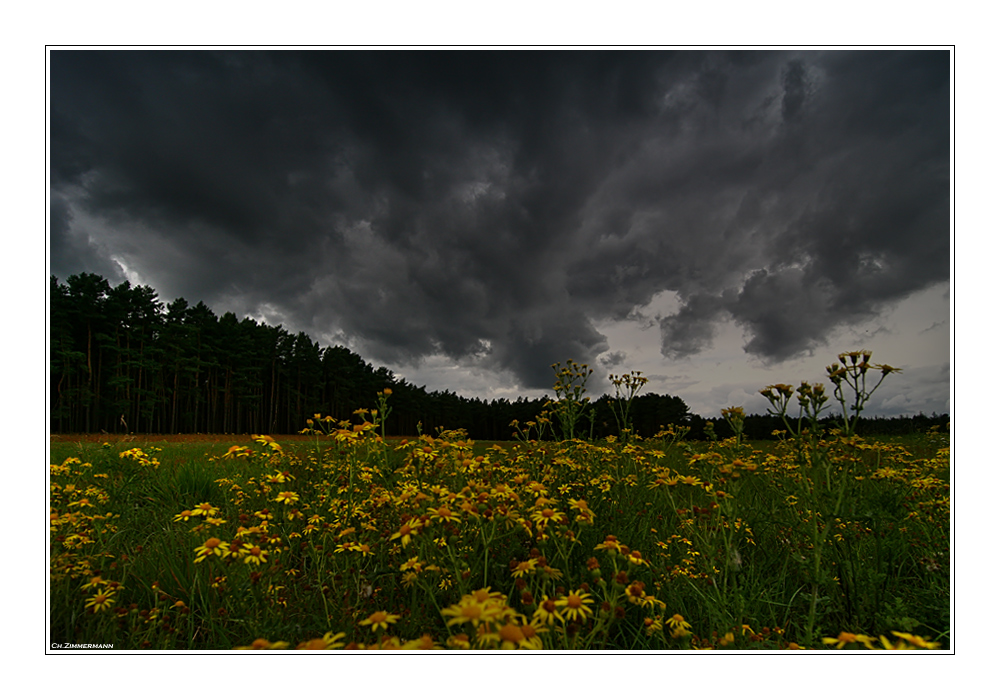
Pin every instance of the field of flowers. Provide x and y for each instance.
(353, 541)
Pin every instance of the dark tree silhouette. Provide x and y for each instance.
(121, 361)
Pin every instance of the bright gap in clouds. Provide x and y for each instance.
(724, 375)
(442, 373)
(131, 275)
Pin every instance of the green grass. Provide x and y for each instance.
(781, 544)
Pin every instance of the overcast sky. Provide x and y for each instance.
(720, 221)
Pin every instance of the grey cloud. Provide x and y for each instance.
(691, 329)
(494, 206)
(72, 251)
(613, 359)
(863, 222)
(785, 312)
(795, 90)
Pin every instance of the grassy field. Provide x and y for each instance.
(341, 539)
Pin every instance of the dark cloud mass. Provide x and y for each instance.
(494, 207)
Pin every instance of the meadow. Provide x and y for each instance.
(344, 538)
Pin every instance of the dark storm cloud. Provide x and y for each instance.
(71, 252)
(492, 206)
(613, 359)
(795, 85)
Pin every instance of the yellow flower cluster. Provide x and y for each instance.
(436, 542)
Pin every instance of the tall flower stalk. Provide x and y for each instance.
(570, 388)
(822, 487)
(854, 376)
(627, 387)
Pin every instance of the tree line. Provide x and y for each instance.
(767, 427)
(122, 361)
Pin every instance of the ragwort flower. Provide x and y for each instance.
(679, 627)
(545, 516)
(442, 514)
(576, 604)
(204, 509)
(99, 602)
(255, 555)
(261, 644)
(379, 620)
(524, 567)
(459, 641)
(532, 640)
(845, 638)
(407, 531)
(610, 543)
(212, 546)
(465, 611)
(424, 642)
(916, 641)
(510, 636)
(547, 612)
